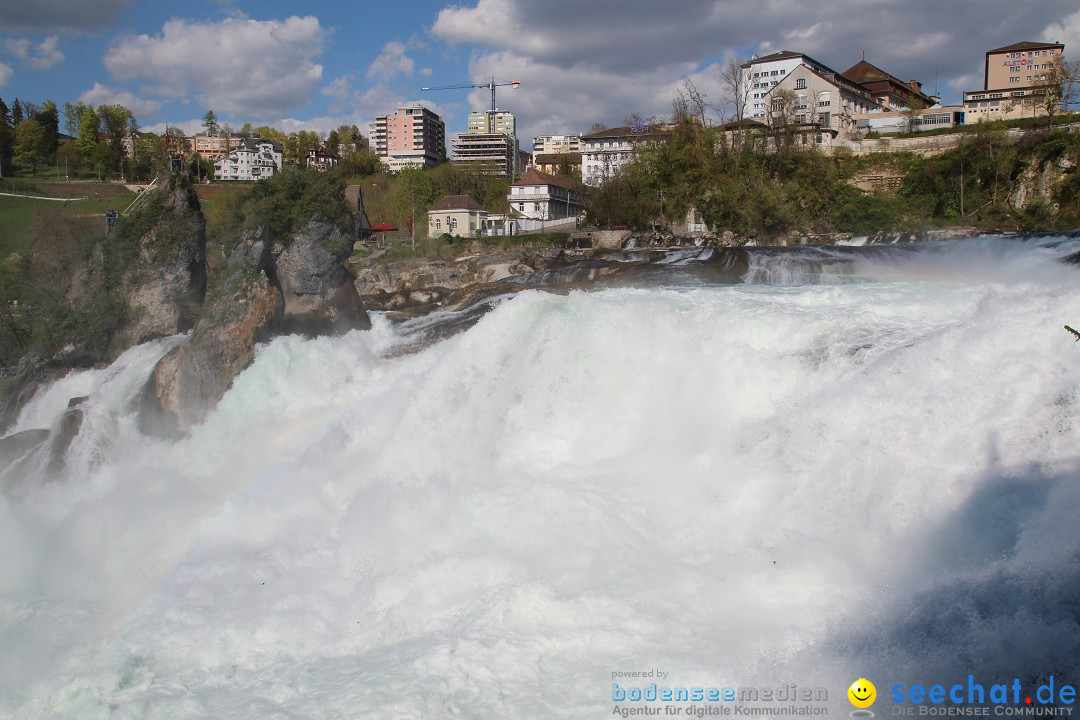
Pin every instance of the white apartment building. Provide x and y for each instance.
(761, 74)
(255, 159)
(603, 153)
(539, 196)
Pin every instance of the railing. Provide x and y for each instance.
(6, 372)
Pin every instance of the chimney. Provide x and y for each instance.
(915, 85)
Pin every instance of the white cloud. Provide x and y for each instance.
(41, 56)
(1065, 31)
(647, 48)
(102, 95)
(390, 62)
(339, 88)
(6, 73)
(254, 69)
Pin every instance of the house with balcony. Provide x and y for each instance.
(254, 159)
(539, 196)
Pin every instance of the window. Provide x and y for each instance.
(800, 84)
(453, 224)
(438, 223)
(521, 207)
(1014, 79)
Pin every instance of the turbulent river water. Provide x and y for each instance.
(804, 468)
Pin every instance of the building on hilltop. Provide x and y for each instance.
(816, 106)
(889, 91)
(604, 152)
(487, 122)
(557, 154)
(321, 159)
(493, 153)
(254, 159)
(211, 147)
(411, 137)
(761, 74)
(1016, 79)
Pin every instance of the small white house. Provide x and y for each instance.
(457, 215)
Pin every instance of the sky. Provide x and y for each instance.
(318, 64)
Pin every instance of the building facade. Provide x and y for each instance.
(817, 104)
(255, 159)
(411, 137)
(486, 122)
(211, 147)
(456, 215)
(761, 74)
(321, 159)
(492, 153)
(552, 152)
(539, 196)
(1016, 79)
(605, 152)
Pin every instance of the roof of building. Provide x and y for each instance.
(782, 55)
(253, 142)
(535, 177)
(624, 131)
(833, 78)
(457, 202)
(1026, 45)
(876, 80)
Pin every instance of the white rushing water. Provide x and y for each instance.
(868, 471)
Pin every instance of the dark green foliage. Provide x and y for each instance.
(758, 186)
(290, 199)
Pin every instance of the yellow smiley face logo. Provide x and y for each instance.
(862, 693)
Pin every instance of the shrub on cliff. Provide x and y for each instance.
(290, 199)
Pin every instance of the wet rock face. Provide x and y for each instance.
(166, 284)
(318, 292)
(275, 288)
(191, 378)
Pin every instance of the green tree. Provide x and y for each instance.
(210, 123)
(68, 157)
(31, 145)
(7, 136)
(73, 113)
(88, 135)
(17, 113)
(49, 119)
(412, 196)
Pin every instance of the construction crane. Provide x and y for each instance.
(488, 85)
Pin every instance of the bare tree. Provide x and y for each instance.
(736, 93)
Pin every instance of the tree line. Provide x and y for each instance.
(107, 142)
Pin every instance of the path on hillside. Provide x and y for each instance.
(40, 197)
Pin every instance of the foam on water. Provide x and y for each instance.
(744, 484)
